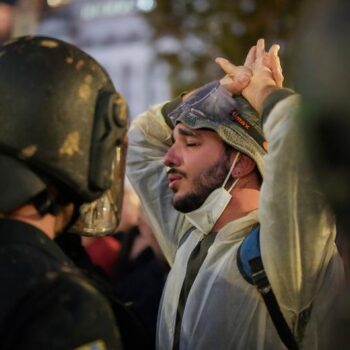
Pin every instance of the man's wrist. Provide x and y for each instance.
(272, 99)
(265, 92)
(257, 93)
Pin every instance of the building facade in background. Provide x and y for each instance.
(117, 35)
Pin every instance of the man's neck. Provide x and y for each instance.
(243, 201)
(28, 214)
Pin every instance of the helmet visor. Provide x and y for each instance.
(102, 216)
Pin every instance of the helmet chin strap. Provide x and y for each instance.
(235, 161)
(46, 203)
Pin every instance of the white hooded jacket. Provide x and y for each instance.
(297, 235)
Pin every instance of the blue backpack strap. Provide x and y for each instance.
(248, 250)
(251, 268)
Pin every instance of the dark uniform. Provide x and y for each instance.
(45, 303)
(61, 155)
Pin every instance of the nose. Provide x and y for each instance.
(171, 158)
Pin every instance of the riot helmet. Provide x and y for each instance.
(63, 125)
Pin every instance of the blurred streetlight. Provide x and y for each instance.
(57, 3)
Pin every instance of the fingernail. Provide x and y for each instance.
(277, 48)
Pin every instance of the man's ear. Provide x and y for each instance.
(244, 166)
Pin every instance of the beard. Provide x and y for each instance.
(204, 184)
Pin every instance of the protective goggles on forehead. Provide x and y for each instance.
(212, 106)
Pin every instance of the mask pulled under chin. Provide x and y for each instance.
(205, 217)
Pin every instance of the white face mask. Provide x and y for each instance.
(205, 217)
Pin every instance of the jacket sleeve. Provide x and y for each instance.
(297, 228)
(149, 140)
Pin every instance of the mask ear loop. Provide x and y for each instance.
(238, 155)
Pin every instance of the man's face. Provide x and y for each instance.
(198, 163)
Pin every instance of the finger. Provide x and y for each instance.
(250, 57)
(268, 60)
(273, 63)
(276, 65)
(274, 49)
(278, 73)
(238, 81)
(273, 52)
(237, 85)
(240, 86)
(278, 76)
(226, 65)
(260, 48)
(240, 71)
(243, 81)
(232, 70)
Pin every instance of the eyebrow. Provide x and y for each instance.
(184, 132)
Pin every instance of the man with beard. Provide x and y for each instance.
(212, 147)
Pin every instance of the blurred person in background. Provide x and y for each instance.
(322, 75)
(133, 262)
(7, 18)
(140, 272)
(104, 251)
(325, 109)
(61, 143)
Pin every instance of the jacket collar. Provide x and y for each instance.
(20, 233)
